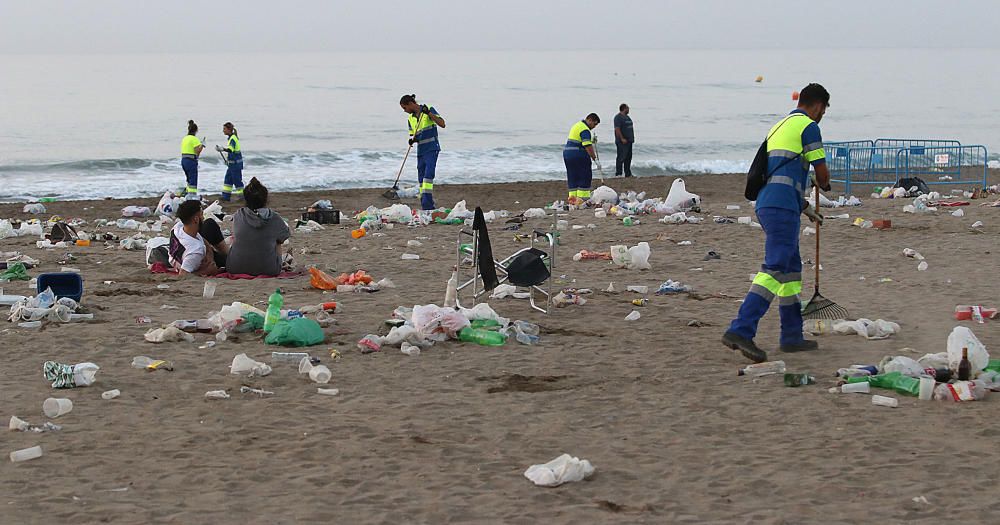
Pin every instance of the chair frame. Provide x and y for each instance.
(538, 238)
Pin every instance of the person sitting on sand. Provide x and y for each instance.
(196, 246)
(258, 233)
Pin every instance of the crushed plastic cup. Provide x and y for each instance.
(927, 385)
(327, 391)
(744, 220)
(25, 454)
(856, 388)
(209, 290)
(320, 374)
(55, 407)
(410, 257)
(635, 315)
(884, 401)
(922, 267)
(111, 394)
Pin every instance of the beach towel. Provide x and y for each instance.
(235, 276)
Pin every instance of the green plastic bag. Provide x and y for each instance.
(296, 332)
(252, 321)
(15, 272)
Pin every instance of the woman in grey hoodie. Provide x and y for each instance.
(258, 233)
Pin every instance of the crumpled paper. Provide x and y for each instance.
(563, 469)
(877, 329)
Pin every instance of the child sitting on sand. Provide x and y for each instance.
(258, 233)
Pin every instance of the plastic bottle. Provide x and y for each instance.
(799, 379)
(762, 369)
(481, 337)
(895, 381)
(150, 364)
(274, 303)
(487, 324)
(451, 292)
(629, 221)
(288, 357)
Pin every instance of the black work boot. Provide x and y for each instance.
(805, 346)
(745, 346)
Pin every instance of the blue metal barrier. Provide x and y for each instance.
(945, 164)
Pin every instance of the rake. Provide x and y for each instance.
(820, 307)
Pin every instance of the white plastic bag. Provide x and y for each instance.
(483, 311)
(534, 213)
(170, 333)
(620, 255)
(962, 337)
(6, 229)
(903, 365)
(35, 208)
(436, 323)
(459, 211)
(244, 365)
(939, 360)
(639, 257)
(153, 244)
(679, 199)
(563, 469)
(604, 194)
(398, 213)
(877, 329)
(168, 205)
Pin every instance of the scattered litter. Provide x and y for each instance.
(410, 350)
(563, 469)
(259, 391)
(910, 252)
(633, 316)
(958, 213)
(216, 394)
(877, 329)
(26, 453)
(327, 391)
(69, 376)
(640, 289)
(54, 407)
(111, 394)
(884, 401)
(168, 334)
(977, 224)
(672, 287)
(922, 267)
(245, 365)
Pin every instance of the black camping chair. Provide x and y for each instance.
(529, 267)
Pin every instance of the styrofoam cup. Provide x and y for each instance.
(320, 374)
(25, 454)
(209, 291)
(856, 388)
(927, 385)
(55, 407)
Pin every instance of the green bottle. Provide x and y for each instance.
(993, 365)
(274, 304)
(481, 337)
(488, 324)
(895, 381)
(799, 379)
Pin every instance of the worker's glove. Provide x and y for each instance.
(813, 215)
(219, 148)
(812, 175)
(597, 165)
(425, 109)
(412, 141)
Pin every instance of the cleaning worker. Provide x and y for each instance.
(191, 148)
(423, 122)
(577, 155)
(233, 183)
(793, 144)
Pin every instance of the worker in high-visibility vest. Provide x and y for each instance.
(233, 183)
(423, 123)
(793, 145)
(191, 148)
(577, 155)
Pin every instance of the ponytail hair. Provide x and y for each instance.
(408, 99)
(229, 125)
(192, 127)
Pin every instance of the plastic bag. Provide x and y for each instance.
(534, 213)
(170, 333)
(15, 272)
(398, 213)
(484, 311)
(69, 376)
(903, 365)
(962, 337)
(459, 211)
(604, 194)
(437, 323)
(620, 255)
(321, 280)
(168, 204)
(245, 365)
(877, 329)
(35, 208)
(939, 360)
(6, 229)
(563, 469)
(299, 331)
(639, 257)
(679, 199)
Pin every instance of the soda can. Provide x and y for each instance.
(640, 302)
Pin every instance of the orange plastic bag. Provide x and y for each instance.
(358, 277)
(321, 280)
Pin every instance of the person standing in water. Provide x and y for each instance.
(191, 148)
(233, 183)
(423, 123)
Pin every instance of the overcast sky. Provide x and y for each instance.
(124, 26)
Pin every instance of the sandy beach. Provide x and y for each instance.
(445, 437)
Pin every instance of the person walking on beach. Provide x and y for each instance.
(423, 123)
(793, 144)
(233, 183)
(624, 137)
(577, 155)
(191, 148)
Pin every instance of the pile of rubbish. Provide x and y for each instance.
(32, 312)
(420, 327)
(358, 281)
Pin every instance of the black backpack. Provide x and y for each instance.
(757, 175)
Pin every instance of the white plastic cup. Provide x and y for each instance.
(883, 401)
(856, 388)
(328, 391)
(744, 220)
(209, 291)
(320, 374)
(25, 454)
(305, 365)
(927, 385)
(111, 394)
(55, 407)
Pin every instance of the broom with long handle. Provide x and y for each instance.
(820, 307)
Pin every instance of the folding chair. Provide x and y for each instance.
(528, 267)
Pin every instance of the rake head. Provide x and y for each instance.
(820, 307)
(391, 194)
